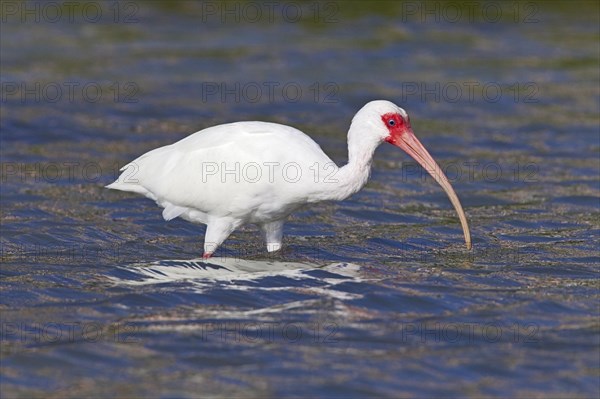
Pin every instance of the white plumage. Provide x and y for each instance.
(258, 172)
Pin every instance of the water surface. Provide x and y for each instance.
(373, 296)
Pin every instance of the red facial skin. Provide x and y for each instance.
(396, 125)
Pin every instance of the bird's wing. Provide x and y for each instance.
(208, 170)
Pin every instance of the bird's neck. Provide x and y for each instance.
(355, 174)
(351, 177)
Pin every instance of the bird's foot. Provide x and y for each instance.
(207, 255)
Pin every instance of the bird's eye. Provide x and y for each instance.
(392, 122)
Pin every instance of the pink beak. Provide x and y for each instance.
(413, 147)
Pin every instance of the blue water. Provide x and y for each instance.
(373, 296)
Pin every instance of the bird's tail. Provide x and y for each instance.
(126, 182)
(134, 188)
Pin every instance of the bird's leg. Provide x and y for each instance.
(217, 231)
(273, 232)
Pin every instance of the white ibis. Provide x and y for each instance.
(259, 172)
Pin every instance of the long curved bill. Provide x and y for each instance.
(413, 147)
